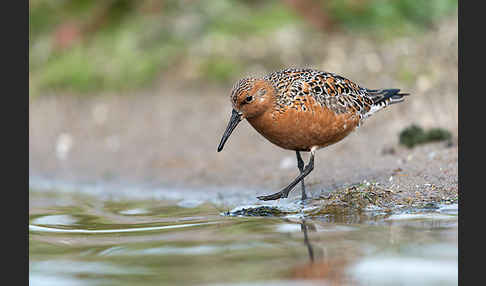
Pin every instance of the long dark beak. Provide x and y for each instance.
(234, 120)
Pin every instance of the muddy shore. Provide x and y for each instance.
(140, 139)
(167, 135)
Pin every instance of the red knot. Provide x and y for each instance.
(304, 110)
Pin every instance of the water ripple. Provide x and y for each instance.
(59, 230)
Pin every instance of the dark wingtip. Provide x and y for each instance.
(383, 94)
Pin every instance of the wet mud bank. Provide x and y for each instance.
(133, 145)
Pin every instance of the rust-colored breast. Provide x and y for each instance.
(304, 124)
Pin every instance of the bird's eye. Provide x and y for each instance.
(249, 98)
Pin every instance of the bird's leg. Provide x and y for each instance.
(285, 192)
(300, 165)
(305, 172)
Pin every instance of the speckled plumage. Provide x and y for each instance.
(304, 109)
(293, 86)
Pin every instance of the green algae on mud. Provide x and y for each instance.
(370, 196)
(415, 135)
(256, 211)
(353, 200)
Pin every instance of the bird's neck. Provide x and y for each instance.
(263, 123)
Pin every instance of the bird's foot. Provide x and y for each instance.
(275, 196)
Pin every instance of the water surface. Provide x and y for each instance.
(78, 238)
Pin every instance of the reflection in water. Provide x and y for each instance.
(88, 241)
(303, 227)
(414, 248)
(325, 268)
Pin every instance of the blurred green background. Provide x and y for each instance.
(87, 46)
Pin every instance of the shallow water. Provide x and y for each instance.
(80, 238)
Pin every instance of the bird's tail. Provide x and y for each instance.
(384, 97)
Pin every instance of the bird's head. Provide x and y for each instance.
(250, 98)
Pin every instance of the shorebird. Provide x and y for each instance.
(304, 110)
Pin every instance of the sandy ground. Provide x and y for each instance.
(168, 135)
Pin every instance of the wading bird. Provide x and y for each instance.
(304, 110)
